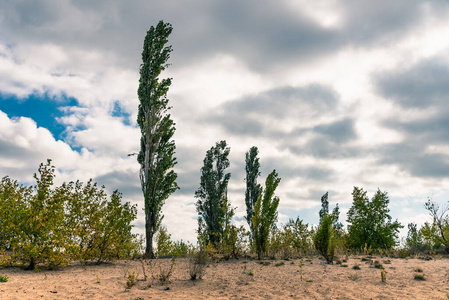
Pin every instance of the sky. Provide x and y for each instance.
(334, 93)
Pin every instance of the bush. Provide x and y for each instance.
(165, 247)
(197, 264)
(370, 222)
(58, 225)
(292, 240)
(323, 239)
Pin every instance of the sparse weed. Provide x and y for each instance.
(383, 275)
(387, 262)
(418, 270)
(4, 278)
(164, 275)
(131, 280)
(97, 278)
(354, 277)
(356, 267)
(344, 266)
(250, 273)
(265, 263)
(366, 259)
(301, 264)
(420, 277)
(197, 264)
(143, 269)
(279, 264)
(377, 265)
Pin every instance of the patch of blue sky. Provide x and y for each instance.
(41, 108)
(118, 112)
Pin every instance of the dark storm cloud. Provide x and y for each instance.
(369, 23)
(264, 36)
(321, 147)
(126, 183)
(412, 158)
(412, 155)
(340, 131)
(247, 116)
(287, 170)
(423, 85)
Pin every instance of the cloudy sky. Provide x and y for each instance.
(335, 94)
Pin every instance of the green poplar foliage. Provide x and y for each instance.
(156, 156)
(324, 238)
(211, 194)
(252, 188)
(265, 214)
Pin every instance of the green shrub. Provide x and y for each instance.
(323, 239)
(419, 277)
(58, 225)
(4, 278)
(197, 264)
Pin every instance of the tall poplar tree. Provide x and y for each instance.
(156, 156)
(265, 214)
(212, 192)
(252, 187)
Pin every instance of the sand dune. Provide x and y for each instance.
(232, 280)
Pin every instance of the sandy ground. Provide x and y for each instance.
(232, 280)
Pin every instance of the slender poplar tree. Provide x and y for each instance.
(157, 148)
(252, 188)
(212, 192)
(265, 214)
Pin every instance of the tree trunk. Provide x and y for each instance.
(149, 253)
(32, 264)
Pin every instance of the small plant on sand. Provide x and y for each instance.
(279, 264)
(418, 270)
(143, 269)
(131, 280)
(383, 275)
(356, 267)
(164, 275)
(354, 277)
(4, 278)
(378, 265)
(251, 273)
(97, 278)
(419, 277)
(301, 264)
(197, 264)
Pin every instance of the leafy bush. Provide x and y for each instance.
(165, 247)
(197, 264)
(370, 222)
(58, 225)
(233, 239)
(324, 240)
(292, 240)
(437, 233)
(131, 279)
(4, 278)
